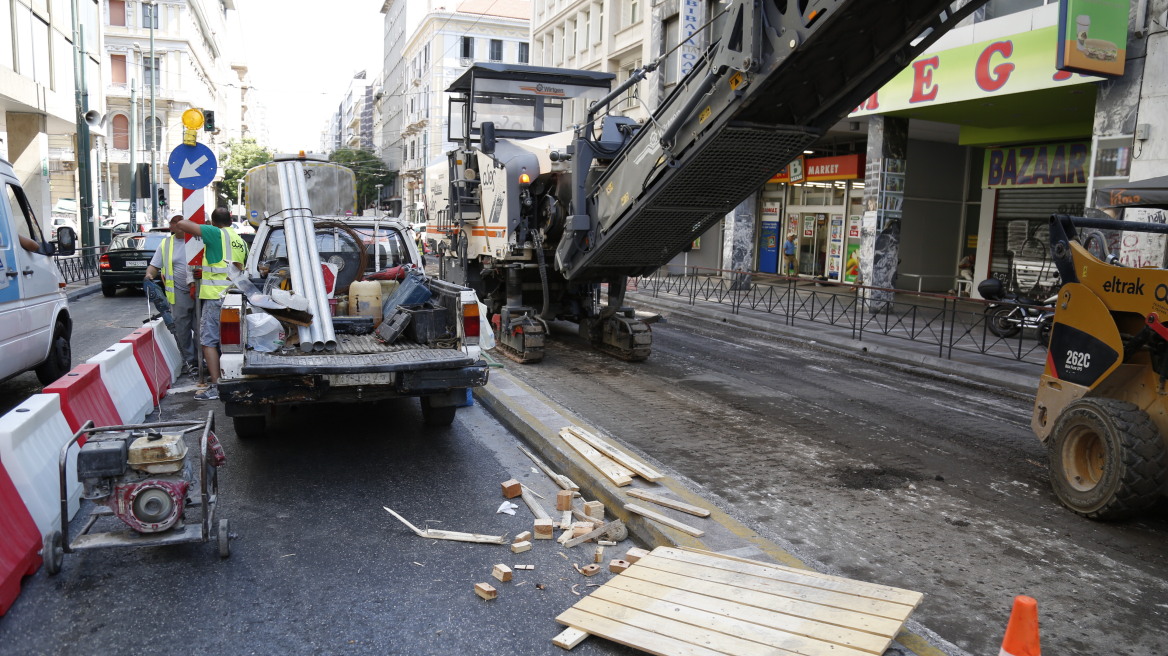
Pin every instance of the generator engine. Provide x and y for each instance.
(142, 476)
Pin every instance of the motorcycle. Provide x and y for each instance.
(1013, 312)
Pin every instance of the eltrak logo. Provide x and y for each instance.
(546, 90)
(1117, 286)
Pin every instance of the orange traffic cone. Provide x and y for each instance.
(1022, 631)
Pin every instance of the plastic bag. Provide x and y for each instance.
(486, 333)
(265, 333)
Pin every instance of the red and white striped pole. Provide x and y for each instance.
(193, 210)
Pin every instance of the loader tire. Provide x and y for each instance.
(1107, 460)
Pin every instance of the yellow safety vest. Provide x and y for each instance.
(215, 280)
(168, 267)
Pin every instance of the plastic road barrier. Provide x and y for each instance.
(84, 397)
(125, 383)
(169, 348)
(19, 550)
(31, 437)
(150, 361)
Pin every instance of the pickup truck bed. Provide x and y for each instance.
(357, 354)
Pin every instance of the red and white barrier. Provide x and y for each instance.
(125, 383)
(84, 397)
(169, 347)
(19, 548)
(31, 437)
(150, 361)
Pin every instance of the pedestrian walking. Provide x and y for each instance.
(789, 254)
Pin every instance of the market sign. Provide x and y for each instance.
(822, 169)
(1023, 62)
(1042, 165)
(1092, 36)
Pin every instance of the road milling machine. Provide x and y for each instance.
(1102, 401)
(539, 219)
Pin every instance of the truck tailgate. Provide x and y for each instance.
(356, 355)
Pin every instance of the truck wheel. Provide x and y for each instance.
(60, 356)
(250, 426)
(109, 291)
(1107, 460)
(436, 416)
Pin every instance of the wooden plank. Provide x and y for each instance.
(457, 536)
(721, 623)
(558, 479)
(783, 573)
(766, 617)
(569, 638)
(763, 599)
(667, 502)
(534, 505)
(695, 635)
(614, 472)
(657, 517)
(820, 596)
(646, 640)
(621, 457)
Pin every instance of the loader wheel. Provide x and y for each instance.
(1107, 461)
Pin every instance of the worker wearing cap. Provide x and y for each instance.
(789, 255)
(222, 249)
(170, 260)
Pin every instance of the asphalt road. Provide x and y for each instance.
(97, 323)
(319, 567)
(881, 475)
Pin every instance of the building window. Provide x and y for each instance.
(496, 51)
(673, 59)
(149, 16)
(587, 22)
(121, 125)
(468, 47)
(524, 53)
(150, 72)
(627, 72)
(634, 12)
(118, 69)
(152, 133)
(117, 10)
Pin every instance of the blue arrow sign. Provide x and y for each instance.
(192, 167)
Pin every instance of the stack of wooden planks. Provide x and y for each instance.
(616, 465)
(687, 601)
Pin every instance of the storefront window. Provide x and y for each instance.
(819, 193)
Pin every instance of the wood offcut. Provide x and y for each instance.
(668, 503)
(662, 519)
(450, 535)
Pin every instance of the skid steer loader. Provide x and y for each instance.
(1102, 402)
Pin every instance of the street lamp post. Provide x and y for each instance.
(154, 136)
(378, 187)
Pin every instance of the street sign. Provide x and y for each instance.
(255, 214)
(192, 167)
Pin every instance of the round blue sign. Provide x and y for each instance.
(192, 167)
(255, 214)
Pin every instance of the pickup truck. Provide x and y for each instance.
(256, 383)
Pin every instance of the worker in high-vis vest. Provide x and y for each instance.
(222, 249)
(170, 260)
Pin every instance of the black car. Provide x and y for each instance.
(124, 264)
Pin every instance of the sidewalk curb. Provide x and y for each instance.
(81, 292)
(538, 420)
(919, 363)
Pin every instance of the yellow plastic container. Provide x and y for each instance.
(365, 299)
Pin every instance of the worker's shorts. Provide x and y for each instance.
(209, 322)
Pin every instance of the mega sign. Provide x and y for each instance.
(1022, 62)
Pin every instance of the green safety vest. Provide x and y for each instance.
(215, 280)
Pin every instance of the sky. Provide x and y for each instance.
(301, 55)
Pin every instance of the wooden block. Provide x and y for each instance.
(616, 565)
(580, 528)
(524, 567)
(523, 537)
(565, 536)
(564, 500)
(591, 569)
(520, 547)
(569, 638)
(598, 555)
(543, 529)
(566, 518)
(486, 591)
(635, 554)
(512, 489)
(594, 509)
(501, 572)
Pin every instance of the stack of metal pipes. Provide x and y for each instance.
(304, 259)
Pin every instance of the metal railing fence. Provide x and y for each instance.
(81, 265)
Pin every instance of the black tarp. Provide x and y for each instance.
(1151, 193)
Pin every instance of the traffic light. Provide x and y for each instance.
(161, 197)
(209, 120)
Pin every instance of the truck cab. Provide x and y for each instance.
(35, 326)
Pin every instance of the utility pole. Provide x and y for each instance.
(133, 154)
(81, 97)
(154, 131)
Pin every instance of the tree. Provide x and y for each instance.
(242, 154)
(370, 172)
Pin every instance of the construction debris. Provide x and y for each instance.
(594, 509)
(520, 547)
(564, 500)
(543, 529)
(507, 507)
(591, 569)
(450, 535)
(486, 591)
(598, 555)
(616, 455)
(523, 537)
(501, 572)
(662, 519)
(536, 507)
(618, 474)
(667, 502)
(616, 565)
(524, 567)
(569, 638)
(614, 525)
(511, 489)
(559, 479)
(634, 554)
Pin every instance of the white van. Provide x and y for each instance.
(34, 314)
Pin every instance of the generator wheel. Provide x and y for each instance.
(224, 539)
(1107, 460)
(53, 553)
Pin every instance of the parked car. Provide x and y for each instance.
(124, 264)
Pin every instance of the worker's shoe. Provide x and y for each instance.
(190, 369)
(209, 394)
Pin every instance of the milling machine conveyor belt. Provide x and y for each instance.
(811, 73)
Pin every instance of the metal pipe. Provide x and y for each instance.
(308, 334)
(315, 275)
